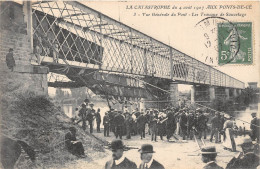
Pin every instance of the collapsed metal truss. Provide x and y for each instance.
(86, 38)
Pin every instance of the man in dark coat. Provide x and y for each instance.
(190, 125)
(254, 127)
(106, 122)
(247, 159)
(98, 120)
(74, 147)
(183, 124)
(170, 124)
(128, 123)
(119, 161)
(208, 156)
(10, 62)
(90, 116)
(202, 124)
(141, 121)
(83, 116)
(119, 123)
(153, 123)
(148, 162)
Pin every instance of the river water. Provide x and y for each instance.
(246, 115)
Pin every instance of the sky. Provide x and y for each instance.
(182, 33)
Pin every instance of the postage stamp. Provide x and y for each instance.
(235, 43)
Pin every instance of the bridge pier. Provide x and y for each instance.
(227, 93)
(234, 92)
(174, 94)
(212, 93)
(25, 76)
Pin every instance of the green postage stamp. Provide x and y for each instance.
(235, 43)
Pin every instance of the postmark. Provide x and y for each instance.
(235, 43)
(209, 32)
(217, 51)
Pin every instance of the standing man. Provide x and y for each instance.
(106, 122)
(128, 124)
(208, 156)
(91, 114)
(98, 120)
(153, 122)
(184, 125)
(190, 125)
(148, 162)
(10, 62)
(119, 161)
(254, 127)
(202, 125)
(141, 121)
(83, 116)
(119, 124)
(215, 127)
(170, 124)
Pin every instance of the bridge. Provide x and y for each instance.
(111, 58)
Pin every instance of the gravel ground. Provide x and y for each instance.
(175, 154)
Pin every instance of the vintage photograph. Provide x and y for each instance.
(129, 84)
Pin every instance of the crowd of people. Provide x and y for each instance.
(187, 122)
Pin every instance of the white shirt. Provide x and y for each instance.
(149, 163)
(120, 160)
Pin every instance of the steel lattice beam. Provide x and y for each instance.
(87, 36)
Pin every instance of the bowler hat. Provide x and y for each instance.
(117, 144)
(253, 114)
(91, 103)
(146, 148)
(208, 150)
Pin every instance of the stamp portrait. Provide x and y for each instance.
(235, 43)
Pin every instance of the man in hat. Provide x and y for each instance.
(246, 159)
(106, 122)
(146, 153)
(119, 123)
(128, 123)
(119, 161)
(74, 147)
(208, 156)
(202, 124)
(215, 127)
(254, 127)
(90, 116)
(98, 119)
(141, 121)
(83, 115)
(183, 124)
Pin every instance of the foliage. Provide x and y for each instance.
(34, 110)
(248, 95)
